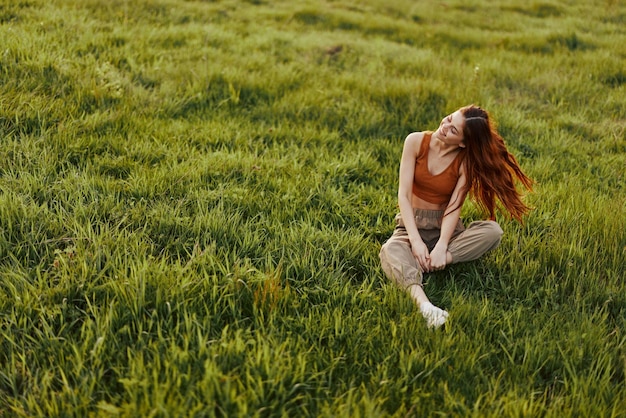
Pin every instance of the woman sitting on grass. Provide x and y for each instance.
(437, 170)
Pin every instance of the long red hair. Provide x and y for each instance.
(491, 169)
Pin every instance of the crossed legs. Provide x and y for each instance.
(400, 266)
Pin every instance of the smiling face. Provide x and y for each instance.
(450, 131)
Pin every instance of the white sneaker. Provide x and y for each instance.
(435, 317)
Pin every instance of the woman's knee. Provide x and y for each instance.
(398, 262)
(395, 247)
(385, 256)
(383, 251)
(479, 238)
(493, 232)
(496, 230)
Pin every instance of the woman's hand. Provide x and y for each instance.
(438, 257)
(420, 252)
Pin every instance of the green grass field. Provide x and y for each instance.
(193, 195)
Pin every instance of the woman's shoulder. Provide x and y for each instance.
(419, 134)
(414, 140)
(416, 137)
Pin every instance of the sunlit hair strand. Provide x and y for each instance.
(491, 169)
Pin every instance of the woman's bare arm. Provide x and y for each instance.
(405, 193)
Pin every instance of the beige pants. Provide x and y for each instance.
(398, 261)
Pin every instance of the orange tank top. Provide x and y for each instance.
(434, 189)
